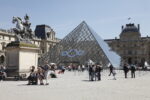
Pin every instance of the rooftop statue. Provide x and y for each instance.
(23, 31)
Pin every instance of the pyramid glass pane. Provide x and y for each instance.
(80, 46)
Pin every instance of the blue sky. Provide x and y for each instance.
(104, 16)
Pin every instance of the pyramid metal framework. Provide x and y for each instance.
(81, 46)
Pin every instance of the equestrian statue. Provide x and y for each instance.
(23, 31)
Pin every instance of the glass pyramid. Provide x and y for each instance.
(81, 46)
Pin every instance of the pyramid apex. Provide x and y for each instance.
(83, 22)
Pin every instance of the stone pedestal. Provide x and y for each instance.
(19, 57)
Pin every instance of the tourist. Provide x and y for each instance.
(32, 79)
(83, 68)
(62, 70)
(94, 72)
(110, 70)
(46, 72)
(40, 75)
(98, 71)
(90, 73)
(114, 73)
(3, 72)
(126, 70)
(69, 68)
(79, 68)
(133, 69)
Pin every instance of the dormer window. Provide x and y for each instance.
(48, 34)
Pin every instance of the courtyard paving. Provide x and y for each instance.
(75, 86)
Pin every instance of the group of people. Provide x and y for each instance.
(42, 72)
(126, 69)
(95, 72)
(3, 74)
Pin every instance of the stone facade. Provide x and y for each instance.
(132, 48)
(44, 44)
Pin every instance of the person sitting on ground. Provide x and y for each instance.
(62, 70)
(40, 74)
(3, 74)
(32, 79)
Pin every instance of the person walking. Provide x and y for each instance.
(111, 70)
(90, 73)
(126, 70)
(94, 72)
(133, 69)
(114, 73)
(98, 71)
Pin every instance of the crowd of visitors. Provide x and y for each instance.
(37, 75)
(95, 70)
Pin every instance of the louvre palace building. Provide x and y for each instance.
(132, 48)
(44, 38)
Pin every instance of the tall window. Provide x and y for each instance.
(130, 52)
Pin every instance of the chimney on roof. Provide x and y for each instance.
(139, 27)
(122, 27)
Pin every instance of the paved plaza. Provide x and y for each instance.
(75, 86)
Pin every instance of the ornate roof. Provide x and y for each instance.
(130, 32)
(130, 28)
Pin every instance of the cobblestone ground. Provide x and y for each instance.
(75, 86)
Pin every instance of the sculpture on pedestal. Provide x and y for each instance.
(23, 31)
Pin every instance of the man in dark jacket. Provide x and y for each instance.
(90, 73)
(111, 69)
(126, 70)
(133, 71)
(98, 72)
